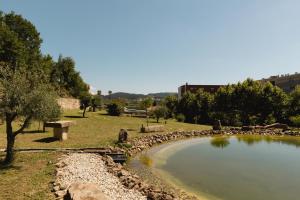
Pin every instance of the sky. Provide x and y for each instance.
(144, 46)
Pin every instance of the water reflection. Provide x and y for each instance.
(220, 142)
(251, 140)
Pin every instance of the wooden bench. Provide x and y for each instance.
(60, 129)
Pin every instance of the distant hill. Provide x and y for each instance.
(125, 95)
(162, 94)
(133, 96)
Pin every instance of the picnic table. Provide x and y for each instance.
(60, 129)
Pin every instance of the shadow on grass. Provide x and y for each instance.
(34, 131)
(47, 140)
(74, 116)
(105, 114)
(4, 167)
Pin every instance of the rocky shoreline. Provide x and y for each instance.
(133, 183)
(146, 142)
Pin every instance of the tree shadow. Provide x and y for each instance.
(72, 116)
(105, 114)
(47, 140)
(34, 131)
(4, 166)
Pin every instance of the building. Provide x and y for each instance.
(194, 88)
(286, 82)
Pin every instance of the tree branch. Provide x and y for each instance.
(25, 124)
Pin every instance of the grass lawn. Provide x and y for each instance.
(30, 175)
(29, 178)
(97, 130)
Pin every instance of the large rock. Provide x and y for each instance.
(217, 125)
(123, 136)
(84, 191)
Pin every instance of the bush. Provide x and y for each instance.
(227, 119)
(115, 109)
(180, 117)
(295, 120)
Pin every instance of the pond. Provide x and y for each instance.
(229, 168)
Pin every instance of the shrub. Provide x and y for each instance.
(227, 118)
(295, 120)
(180, 117)
(115, 109)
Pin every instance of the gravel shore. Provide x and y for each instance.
(90, 168)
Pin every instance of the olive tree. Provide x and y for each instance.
(23, 98)
(159, 112)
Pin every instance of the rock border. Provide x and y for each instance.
(146, 142)
(133, 181)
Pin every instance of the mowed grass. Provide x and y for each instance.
(29, 177)
(31, 174)
(96, 130)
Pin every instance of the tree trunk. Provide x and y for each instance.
(10, 143)
(44, 127)
(83, 114)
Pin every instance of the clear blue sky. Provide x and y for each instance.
(156, 45)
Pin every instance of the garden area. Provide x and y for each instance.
(97, 129)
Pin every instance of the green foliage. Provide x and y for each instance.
(146, 103)
(248, 103)
(294, 103)
(171, 104)
(25, 89)
(188, 107)
(180, 117)
(159, 112)
(295, 120)
(20, 42)
(23, 94)
(115, 108)
(230, 118)
(25, 97)
(66, 79)
(96, 102)
(20, 47)
(204, 105)
(196, 107)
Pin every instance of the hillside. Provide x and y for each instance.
(133, 96)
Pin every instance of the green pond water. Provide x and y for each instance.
(231, 168)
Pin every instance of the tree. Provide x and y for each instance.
(204, 106)
(20, 42)
(294, 102)
(146, 103)
(171, 104)
(96, 102)
(25, 92)
(188, 107)
(85, 102)
(66, 79)
(115, 108)
(24, 97)
(159, 112)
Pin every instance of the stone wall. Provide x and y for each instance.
(68, 103)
